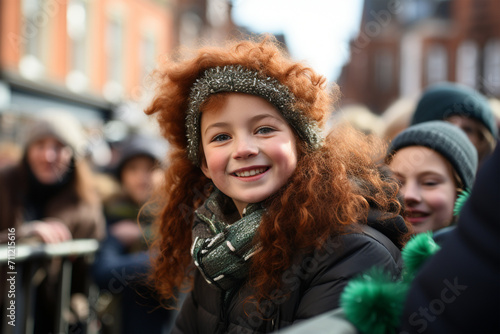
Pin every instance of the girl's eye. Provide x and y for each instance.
(264, 130)
(221, 137)
(430, 183)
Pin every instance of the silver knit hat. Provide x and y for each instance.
(236, 78)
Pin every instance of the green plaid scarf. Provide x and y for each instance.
(222, 250)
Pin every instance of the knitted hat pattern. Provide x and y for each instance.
(443, 100)
(59, 124)
(446, 139)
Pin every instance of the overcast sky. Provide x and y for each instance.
(317, 31)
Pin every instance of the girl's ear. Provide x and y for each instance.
(204, 167)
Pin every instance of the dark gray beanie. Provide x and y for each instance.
(139, 145)
(446, 139)
(443, 100)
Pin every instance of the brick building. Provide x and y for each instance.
(83, 55)
(404, 46)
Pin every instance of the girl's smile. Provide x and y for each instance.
(416, 217)
(251, 173)
(249, 148)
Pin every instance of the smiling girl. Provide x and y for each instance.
(435, 162)
(263, 219)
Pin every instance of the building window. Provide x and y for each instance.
(437, 64)
(148, 55)
(190, 28)
(383, 70)
(37, 15)
(467, 64)
(492, 67)
(147, 62)
(217, 12)
(77, 23)
(113, 89)
(114, 50)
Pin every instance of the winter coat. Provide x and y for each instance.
(121, 271)
(83, 219)
(315, 283)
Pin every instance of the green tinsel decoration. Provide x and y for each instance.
(461, 199)
(373, 302)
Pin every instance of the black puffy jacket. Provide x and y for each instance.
(316, 282)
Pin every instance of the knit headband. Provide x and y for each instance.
(235, 78)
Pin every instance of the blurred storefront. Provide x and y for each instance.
(87, 57)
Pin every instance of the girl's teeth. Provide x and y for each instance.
(250, 172)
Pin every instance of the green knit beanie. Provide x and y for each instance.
(446, 139)
(443, 100)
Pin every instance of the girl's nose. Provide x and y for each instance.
(411, 193)
(245, 148)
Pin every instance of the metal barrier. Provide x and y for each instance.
(330, 322)
(20, 263)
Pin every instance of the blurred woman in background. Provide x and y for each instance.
(49, 197)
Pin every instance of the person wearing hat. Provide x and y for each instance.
(125, 250)
(457, 290)
(464, 107)
(434, 162)
(264, 217)
(49, 197)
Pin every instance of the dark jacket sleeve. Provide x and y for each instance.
(114, 267)
(358, 252)
(9, 203)
(189, 318)
(184, 323)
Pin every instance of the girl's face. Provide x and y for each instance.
(427, 186)
(137, 178)
(249, 148)
(49, 159)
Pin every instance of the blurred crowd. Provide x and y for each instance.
(51, 191)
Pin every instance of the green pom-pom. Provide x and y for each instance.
(417, 251)
(373, 302)
(461, 199)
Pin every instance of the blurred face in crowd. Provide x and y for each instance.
(249, 148)
(137, 176)
(427, 185)
(49, 159)
(476, 132)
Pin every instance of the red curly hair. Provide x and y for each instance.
(322, 196)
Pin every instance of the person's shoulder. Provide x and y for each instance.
(360, 241)
(344, 256)
(365, 246)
